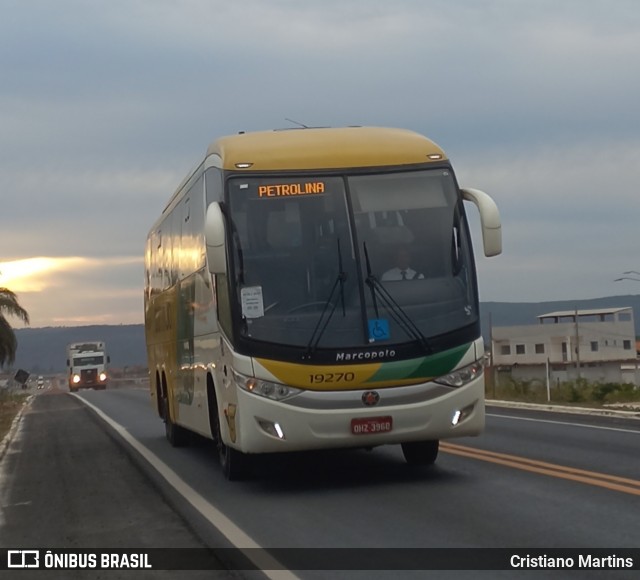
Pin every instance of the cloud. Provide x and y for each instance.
(99, 211)
(569, 219)
(73, 290)
(106, 106)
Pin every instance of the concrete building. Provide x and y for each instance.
(596, 345)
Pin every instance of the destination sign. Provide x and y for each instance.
(286, 189)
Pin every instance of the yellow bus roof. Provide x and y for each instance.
(324, 148)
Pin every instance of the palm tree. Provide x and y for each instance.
(9, 306)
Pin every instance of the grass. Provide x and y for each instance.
(579, 393)
(10, 405)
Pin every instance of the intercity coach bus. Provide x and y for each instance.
(272, 323)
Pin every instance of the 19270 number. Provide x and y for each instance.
(332, 377)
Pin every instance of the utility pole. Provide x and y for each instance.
(577, 345)
(491, 353)
(548, 377)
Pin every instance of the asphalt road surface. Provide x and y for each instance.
(532, 481)
(65, 482)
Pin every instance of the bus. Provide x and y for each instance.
(272, 323)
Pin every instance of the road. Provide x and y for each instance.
(65, 483)
(533, 480)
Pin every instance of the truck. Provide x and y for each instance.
(87, 363)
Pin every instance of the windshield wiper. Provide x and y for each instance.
(318, 331)
(396, 311)
(238, 246)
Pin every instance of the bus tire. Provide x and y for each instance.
(421, 452)
(159, 403)
(233, 462)
(176, 435)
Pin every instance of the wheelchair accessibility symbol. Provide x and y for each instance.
(378, 329)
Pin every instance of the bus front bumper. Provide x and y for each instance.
(261, 425)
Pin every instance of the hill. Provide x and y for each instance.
(43, 350)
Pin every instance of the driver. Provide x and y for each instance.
(402, 269)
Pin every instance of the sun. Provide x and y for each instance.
(32, 274)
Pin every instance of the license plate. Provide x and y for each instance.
(371, 425)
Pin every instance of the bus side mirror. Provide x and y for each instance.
(214, 234)
(489, 220)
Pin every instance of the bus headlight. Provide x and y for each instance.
(275, 391)
(462, 376)
(103, 377)
(76, 379)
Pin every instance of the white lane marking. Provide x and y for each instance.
(231, 531)
(565, 423)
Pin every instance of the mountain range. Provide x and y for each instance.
(43, 350)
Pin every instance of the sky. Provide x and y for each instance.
(106, 105)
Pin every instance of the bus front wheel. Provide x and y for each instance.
(421, 452)
(233, 462)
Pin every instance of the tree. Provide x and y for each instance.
(9, 306)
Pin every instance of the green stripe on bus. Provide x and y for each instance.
(426, 367)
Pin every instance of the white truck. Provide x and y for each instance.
(87, 363)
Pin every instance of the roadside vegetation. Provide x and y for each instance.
(10, 402)
(579, 393)
(9, 306)
(10, 405)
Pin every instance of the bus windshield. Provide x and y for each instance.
(347, 261)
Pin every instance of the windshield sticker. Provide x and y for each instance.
(378, 329)
(286, 189)
(252, 302)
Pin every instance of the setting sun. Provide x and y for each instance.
(77, 290)
(32, 274)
